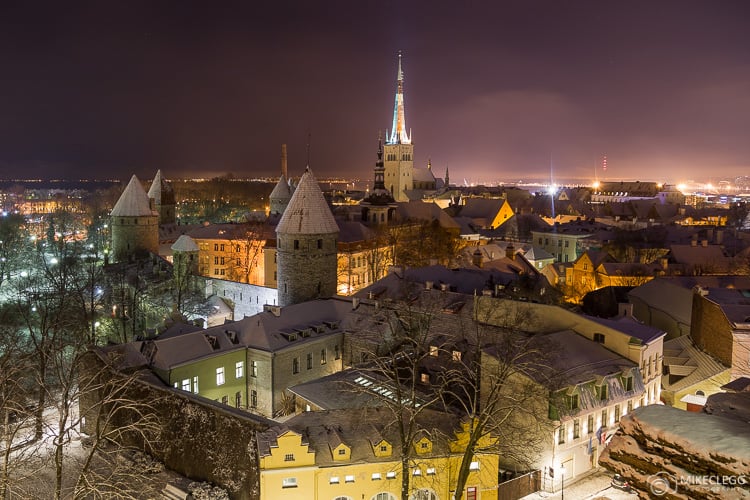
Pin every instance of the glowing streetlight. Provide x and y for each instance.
(562, 482)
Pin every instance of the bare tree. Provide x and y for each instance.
(393, 355)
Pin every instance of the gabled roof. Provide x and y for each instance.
(711, 257)
(486, 208)
(307, 212)
(536, 253)
(133, 202)
(630, 326)
(687, 365)
(422, 175)
(267, 331)
(418, 210)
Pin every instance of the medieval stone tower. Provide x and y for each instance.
(399, 151)
(163, 195)
(306, 251)
(282, 192)
(135, 224)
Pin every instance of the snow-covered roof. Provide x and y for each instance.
(307, 212)
(184, 244)
(133, 202)
(160, 190)
(693, 365)
(281, 191)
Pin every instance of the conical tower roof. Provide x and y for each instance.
(281, 191)
(161, 191)
(133, 202)
(184, 244)
(307, 212)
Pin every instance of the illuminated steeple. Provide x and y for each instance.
(398, 130)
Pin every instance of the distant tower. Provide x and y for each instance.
(306, 251)
(135, 224)
(447, 177)
(399, 151)
(282, 192)
(163, 195)
(379, 206)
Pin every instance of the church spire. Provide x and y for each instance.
(398, 130)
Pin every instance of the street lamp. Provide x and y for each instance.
(562, 482)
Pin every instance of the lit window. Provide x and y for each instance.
(195, 385)
(433, 350)
(220, 376)
(456, 355)
(186, 384)
(417, 472)
(431, 471)
(289, 482)
(474, 466)
(349, 479)
(239, 369)
(425, 378)
(390, 475)
(376, 476)
(323, 356)
(253, 368)
(334, 480)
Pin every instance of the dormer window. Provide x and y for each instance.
(574, 402)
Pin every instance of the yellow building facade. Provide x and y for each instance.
(315, 457)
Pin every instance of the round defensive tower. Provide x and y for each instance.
(134, 223)
(162, 193)
(306, 239)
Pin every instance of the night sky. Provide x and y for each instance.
(494, 90)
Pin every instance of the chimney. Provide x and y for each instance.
(445, 287)
(704, 243)
(476, 258)
(624, 309)
(510, 251)
(428, 285)
(275, 310)
(283, 161)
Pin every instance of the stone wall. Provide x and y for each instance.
(711, 330)
(307, 267)
(246, 299)
(199, 439)
(668, 453)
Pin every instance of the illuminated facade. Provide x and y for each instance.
(347, 454)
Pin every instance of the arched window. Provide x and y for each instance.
(343, 498)
(383, 496)
(424, 494)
